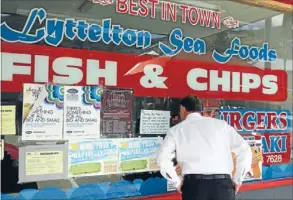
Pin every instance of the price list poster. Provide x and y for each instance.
(116, 113)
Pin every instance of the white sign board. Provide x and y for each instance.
(154, 122)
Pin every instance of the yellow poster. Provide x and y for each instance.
(44, 162)
(8, 126)
(2, 149)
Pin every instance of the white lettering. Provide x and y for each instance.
(270, 84)
(236, 82)
(9, 68)
(192, 79)
(250, 81)
(94, 72)
(70, 75)
(223, 81)
(41, 69)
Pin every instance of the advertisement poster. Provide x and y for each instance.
(8, 120)
(138, 155)
(155, 122)
(116, 113)
(2, 149)
(42, 112)
(43, 162)
(276, 147)
(82, 106)
(95, 157)
(263, 121)
(256, 167)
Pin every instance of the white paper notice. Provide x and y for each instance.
(171, 186)
(82, 106)
(154, 122)
(42, 112)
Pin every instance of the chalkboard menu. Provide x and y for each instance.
(116, 112)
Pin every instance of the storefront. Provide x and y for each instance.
(90, 88)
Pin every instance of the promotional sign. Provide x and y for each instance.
(146, 75)
(256, 167)
(155, 122)
(82, 106)
(95, 157)
(139, 154)
(8, 120)
(116, 113)
(276, 147)
(43, 163)
(42, 112)
(248, 121)
(53, 32)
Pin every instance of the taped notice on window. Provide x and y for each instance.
(171, 186)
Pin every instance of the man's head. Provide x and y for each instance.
(189, 104)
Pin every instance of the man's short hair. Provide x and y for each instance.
(191, 103)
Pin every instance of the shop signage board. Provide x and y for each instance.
(252, 121)
(82, 106)
(53, 32)
(42, 112)
(93, 157)
(116, 113)
(145, 75)
(138, 154)
(276, 147)
(256, 167)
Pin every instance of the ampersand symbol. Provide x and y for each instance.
(152, 78)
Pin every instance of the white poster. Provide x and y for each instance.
(171, 186)
(82, 105)
(154, 122)
(42, 112)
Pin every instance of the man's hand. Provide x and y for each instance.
(236, 188)
(179, 187)
(178, 170)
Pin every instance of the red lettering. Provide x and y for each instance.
(193, 16)
(132, 5)
(225, 116)
(143, 11)
(205, 17)
(272, 118)
(153, 8)
(235, 120)
(260, 120)
(248, 125)
(283, 120)
(121, 6)
(184, 9)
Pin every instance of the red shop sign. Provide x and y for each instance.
(276, 147)
(146, 75)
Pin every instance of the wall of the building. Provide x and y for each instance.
(278, 193)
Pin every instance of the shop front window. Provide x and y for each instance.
(134, 61)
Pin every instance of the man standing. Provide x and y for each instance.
(203, 148)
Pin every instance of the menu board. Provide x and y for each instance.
(82, 106)
(43, 162)
(42, 112)
(139, 154)
(8, 120)
(94, 157)
(256, 167)
(116, 112)
(154, 122)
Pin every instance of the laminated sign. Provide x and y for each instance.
(138, 155)
(94, 157)
(42, 112)
(82, 106)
